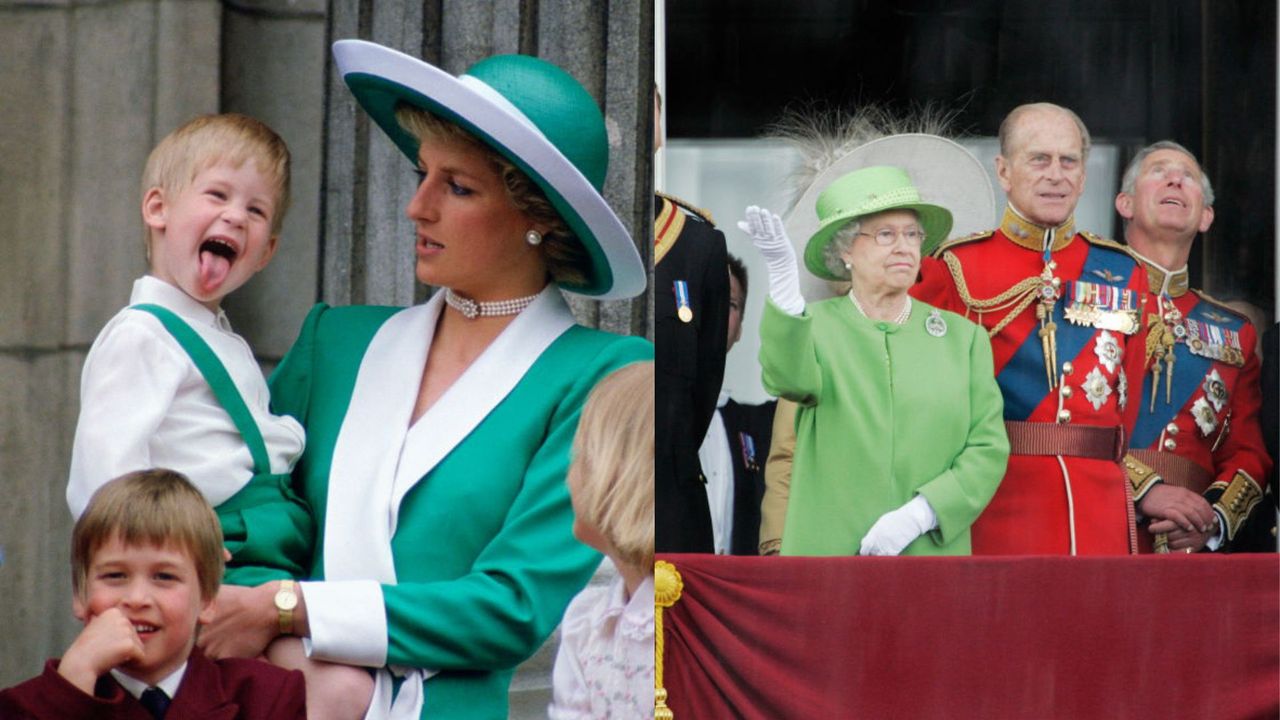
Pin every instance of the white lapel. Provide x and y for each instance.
(378, 458)
(478, 391)
(357, 537)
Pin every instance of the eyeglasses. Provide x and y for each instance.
(886, 236)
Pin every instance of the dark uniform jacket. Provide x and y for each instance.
(749, 429)
(689, 368)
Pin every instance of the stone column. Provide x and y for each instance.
(274, 57)
(88, 88)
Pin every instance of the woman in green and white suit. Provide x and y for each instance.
(438, 436)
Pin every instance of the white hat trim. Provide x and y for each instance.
(513, 130)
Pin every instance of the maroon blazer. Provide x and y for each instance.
(233, 689)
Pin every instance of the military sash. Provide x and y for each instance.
(1211, 336)
(1099, 300)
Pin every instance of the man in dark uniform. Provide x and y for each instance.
(691, 310)
(734, 451)
(691, 307)
(1259, 533)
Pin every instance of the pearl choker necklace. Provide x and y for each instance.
(473, 309)
(902, 316)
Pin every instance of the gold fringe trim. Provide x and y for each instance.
(1019, 297)
(667, 588)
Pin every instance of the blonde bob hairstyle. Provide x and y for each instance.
(211, 139)
(150, 508)
(567, 260)
(612, 473)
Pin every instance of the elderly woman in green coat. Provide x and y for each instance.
(900, 439)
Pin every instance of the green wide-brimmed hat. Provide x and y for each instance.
(866, 192)
(532, 113)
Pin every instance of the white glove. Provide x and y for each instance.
(770, 237)
(896, 529)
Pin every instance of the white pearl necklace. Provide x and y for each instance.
(491, 308)
(902, 316)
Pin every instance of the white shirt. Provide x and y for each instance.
(717, 467)
(144, 404)
(136, 687)
(604, 668)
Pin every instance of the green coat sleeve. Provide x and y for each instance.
(290, 382)
(787, 356)
(960, 493)
(499, 613)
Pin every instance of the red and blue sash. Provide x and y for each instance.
(1189, 370)
(1022, 380)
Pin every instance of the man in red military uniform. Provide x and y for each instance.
(1064, 311)
(1198, 411)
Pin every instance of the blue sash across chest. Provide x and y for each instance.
(1189, 370)
(1022, 380)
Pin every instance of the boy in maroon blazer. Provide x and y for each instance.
(147, 560)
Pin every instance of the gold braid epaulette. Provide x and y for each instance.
(703, 214)
(948, 244)
(1221, 305)
(667, 588)
(1019, 297)
(1104, 242)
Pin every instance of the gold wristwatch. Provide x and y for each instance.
(286, 600)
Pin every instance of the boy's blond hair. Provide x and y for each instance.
(210, 139)
(612, 473)
(567, 259)
(150, 507)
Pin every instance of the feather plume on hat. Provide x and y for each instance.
(824, 136)
(834, 142)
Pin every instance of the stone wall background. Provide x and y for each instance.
(88, 87)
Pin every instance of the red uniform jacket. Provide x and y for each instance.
(1073, 500)
(1201, 428)
(233, 689)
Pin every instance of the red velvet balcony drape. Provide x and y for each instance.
(1156, 638)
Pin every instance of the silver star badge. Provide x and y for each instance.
(1108, 350)
(1096, 388)
(1215, 390)
(1204, 416)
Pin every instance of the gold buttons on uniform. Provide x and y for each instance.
(1171, 429)
(1067, 367)
(1169, 444)
(1066, 391)
(1064, 416)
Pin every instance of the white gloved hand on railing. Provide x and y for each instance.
(770, 237)
(896, 529)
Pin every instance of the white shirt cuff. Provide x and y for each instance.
(1215, 542)
(348, 621)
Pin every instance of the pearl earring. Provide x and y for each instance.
(847, 266)
(533, 237)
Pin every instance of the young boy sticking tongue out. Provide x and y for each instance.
(168, 384)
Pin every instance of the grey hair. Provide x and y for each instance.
(1130, 182)
(837, 246)
(1010, 120)
(822, 137)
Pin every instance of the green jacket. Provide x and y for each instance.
(484, 555)
(886, 412)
